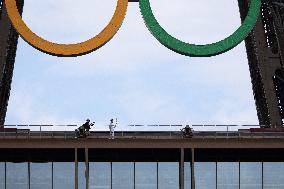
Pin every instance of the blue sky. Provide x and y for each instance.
(133, 77)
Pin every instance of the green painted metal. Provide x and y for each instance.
(200, 50)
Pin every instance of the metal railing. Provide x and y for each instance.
(200, 131)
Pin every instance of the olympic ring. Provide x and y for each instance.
(200, 50)
(67, 49)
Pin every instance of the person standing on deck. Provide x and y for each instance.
(112, 125)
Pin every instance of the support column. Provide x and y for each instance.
(87, 167)
(8, 48)
(181, 169)
(192, 169)
(76, 169)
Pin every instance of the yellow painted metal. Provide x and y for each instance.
(67, 49)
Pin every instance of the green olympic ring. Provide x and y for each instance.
(200, 50)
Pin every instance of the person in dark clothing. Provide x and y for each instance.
(86, 125)
(187, 131)
(84, 129)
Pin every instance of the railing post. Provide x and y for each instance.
(29, 132)
(65, 132)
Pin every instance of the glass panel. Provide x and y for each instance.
(146, 175)
(63, 175)
(273, 175)
(17, 175)
(123, 175)
(41, 175)
(81, 175)
(100, 175)
(168, 175)
(205, 175)
(228, 175)
(251, 176)
(187, 175)
(2, 174)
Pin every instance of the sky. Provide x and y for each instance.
(133, 77)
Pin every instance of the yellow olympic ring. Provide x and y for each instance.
(67, 49)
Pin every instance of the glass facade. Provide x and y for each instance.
(187, 175)
(41, 175)
(2, 174)
(141, 175)
(228, 175)
(168, 175)
(205, 175)
(63, 175)
(100, 175)
(17, 175)
(146, 175)
(273, 175)
(250, 175)
(81, 175)
(122, 175)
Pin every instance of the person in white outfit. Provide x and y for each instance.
(112, 125)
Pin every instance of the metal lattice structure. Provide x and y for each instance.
(8, 48)
(265, 51)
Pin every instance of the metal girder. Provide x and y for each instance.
(8, 48)
(264, 58)
(279, 83)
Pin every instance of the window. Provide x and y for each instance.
(146, 175)
(251, 175)
(2, 174)
(100, 175)
(41, 175)
(17, 175)
(63, 175)
(123, 175)
(168, 175)
(273, 175)
(205, 175)
(187, 175)
(228, 175)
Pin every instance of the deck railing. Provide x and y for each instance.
(135, 132)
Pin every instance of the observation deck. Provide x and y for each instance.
(33, 148)
(204, 136)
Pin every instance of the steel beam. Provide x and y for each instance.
(264, 59)
(8, 47)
